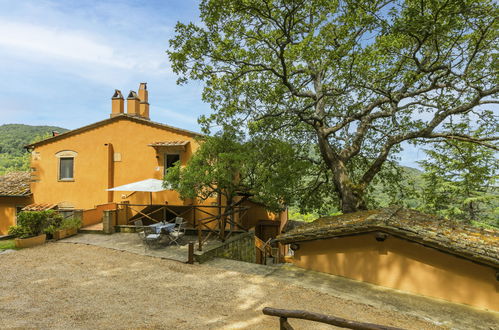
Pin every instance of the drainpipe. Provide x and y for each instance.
(110, 171)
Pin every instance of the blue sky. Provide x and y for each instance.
(60, 62)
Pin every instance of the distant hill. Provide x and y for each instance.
(13, 138)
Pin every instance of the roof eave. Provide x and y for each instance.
(28, 195)
(306, 237)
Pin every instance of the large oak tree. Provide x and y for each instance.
(355, 78)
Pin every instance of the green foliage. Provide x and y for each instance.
(295, 214)
(34, 223)
(460, 182)
(227, 165)
(13, 138)
(70, 223)
(9, 244)
(353, 79)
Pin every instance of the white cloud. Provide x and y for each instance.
(76, 46)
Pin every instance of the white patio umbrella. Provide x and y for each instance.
(148, 185)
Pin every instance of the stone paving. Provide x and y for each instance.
(131, 242)
(7, 251)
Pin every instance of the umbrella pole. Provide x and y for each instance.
(150, 197)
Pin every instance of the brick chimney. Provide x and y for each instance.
(144, 104)
(117, 103)
(132, 106)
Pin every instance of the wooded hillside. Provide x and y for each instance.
(13, 138)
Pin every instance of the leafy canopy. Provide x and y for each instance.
(227, 165)
(354, 78)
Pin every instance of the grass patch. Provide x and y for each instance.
(7, 244)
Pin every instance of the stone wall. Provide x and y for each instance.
(240, 247)
(109, 221)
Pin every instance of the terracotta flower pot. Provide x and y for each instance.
(59, 234)
(71, 232)
(29, 242)
(63, 233)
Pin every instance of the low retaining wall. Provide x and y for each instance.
(95, 215)
(240, 247)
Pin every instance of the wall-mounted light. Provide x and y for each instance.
(380, 237)
(294, 247)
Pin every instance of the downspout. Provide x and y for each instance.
(110, 171)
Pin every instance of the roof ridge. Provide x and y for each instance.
(122, 116)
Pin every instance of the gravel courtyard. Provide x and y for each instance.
(80, 286)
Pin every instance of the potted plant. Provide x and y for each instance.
(31, 227)
(68, 227)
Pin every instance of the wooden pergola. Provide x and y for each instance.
(212, 223)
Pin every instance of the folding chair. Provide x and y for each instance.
(139, 229)
(151, 237)
(178, 231)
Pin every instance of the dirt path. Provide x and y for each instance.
(80, 286)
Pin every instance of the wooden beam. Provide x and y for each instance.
(284, 325)
(190, 258)
(316, 317)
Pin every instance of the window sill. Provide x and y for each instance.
(66, 180)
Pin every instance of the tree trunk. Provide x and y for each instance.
(351, 196)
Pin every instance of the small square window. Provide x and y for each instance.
(170, 160)
(66, 168)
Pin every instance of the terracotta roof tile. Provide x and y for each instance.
(480, 245)
(15, 184)
(169, 144)
(39, 207)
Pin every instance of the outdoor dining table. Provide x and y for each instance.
(162, 226)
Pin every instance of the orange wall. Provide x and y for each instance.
(91, 168)
(403, 265)
(93, 216)
(8, 211)
(138, 162)
(258, 212)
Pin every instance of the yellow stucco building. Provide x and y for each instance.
(405, 250)
(73, 170)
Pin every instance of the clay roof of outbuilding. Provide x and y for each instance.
(123, 116)
(477, 244)
(39, 207)
(15, 184)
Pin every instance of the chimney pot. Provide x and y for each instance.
(133, 104)
(144, 100)
(143, 93)
(117, 103)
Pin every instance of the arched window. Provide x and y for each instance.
(66, 165)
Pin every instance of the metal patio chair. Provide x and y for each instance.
(178, 231)
(139, 229)
(151, 237)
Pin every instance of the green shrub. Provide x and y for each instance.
(70, 223)
(34, 223)
(19, 231)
